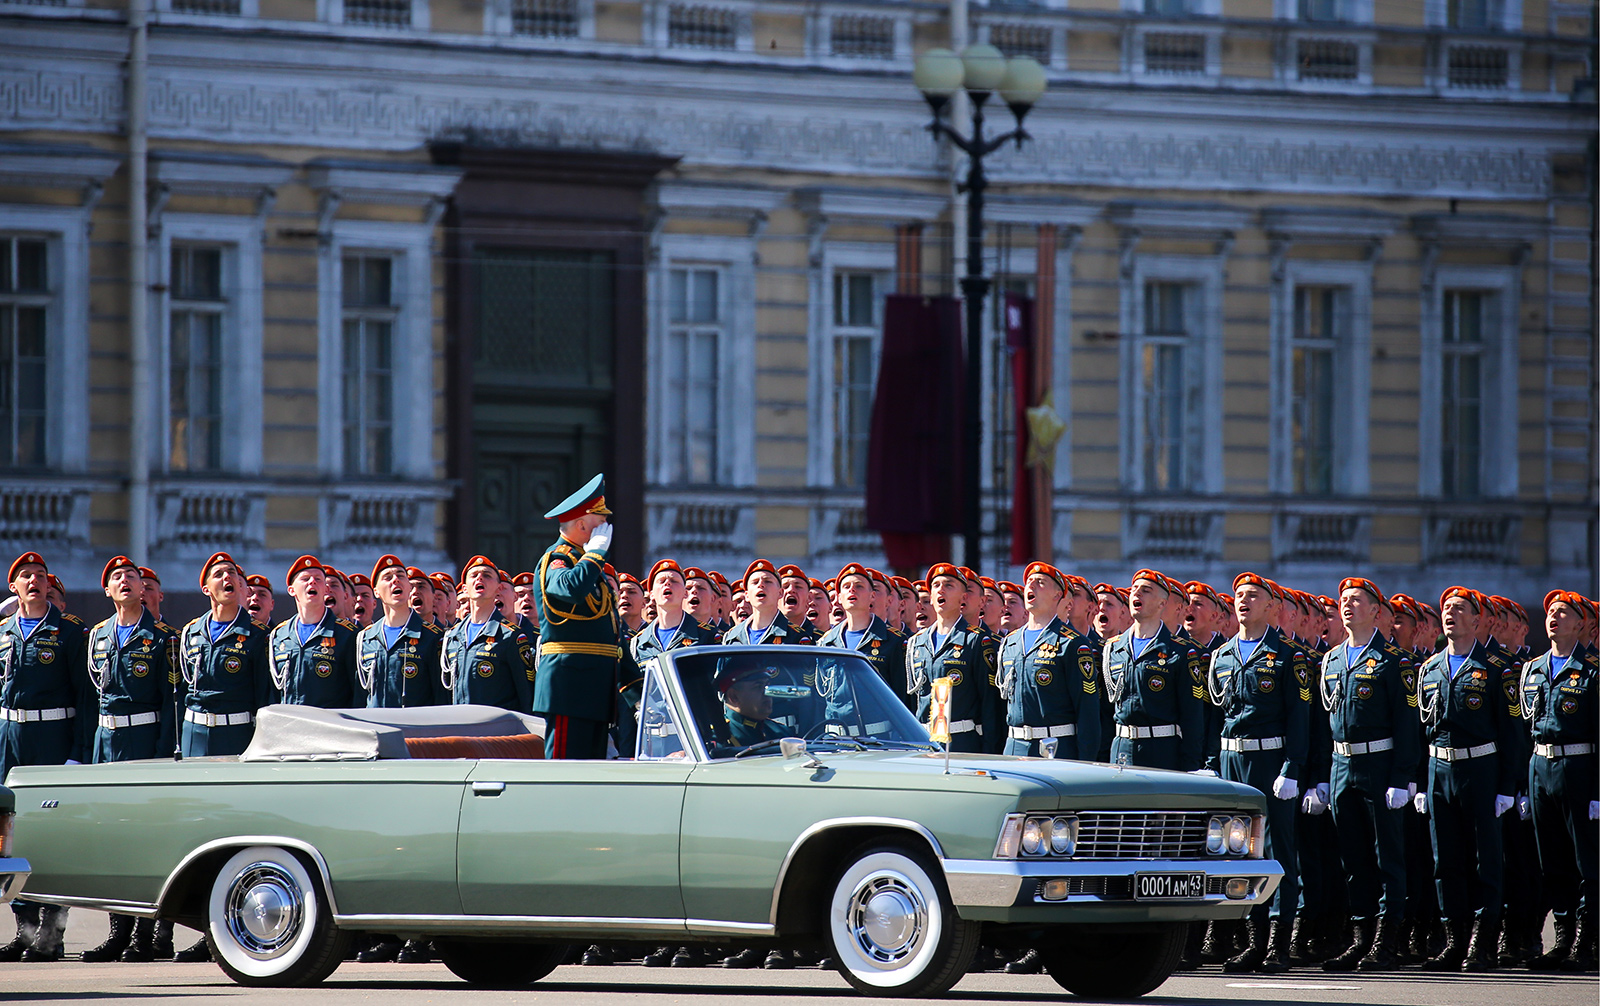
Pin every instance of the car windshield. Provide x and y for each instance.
(744, 699)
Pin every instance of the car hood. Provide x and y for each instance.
(1039, 783)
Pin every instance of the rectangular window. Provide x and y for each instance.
(1166, 8)
(1173, 52)
(1322, 10)
(194, 387)
(861, 36)
(1469, 316)
(855, 342)
(545, 18)
(1164, 375)
(693, 26)
(369, 313)
(378, 13)
(1475, 15)
(694, 349)
(1321, 321)
(24, 310)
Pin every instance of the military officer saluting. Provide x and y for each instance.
(47, 709)
(485, 659)
(1262, 687)
(766, 623)
(397, 656)
(864, 632)
(312, 654)
(951, 648)
(1472, 721)
(1561, 700)
(223, 664)
(1367, 685)
(1048, 676)
(580, 638)
(1155, 685)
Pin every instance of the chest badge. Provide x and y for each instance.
(1569, 706)
(1043, 676)
(1372, 661)
(1474, 701)
(232, 665)
(1156, 683)
(140, 669)
(1266, 685)
(46, 656)
(485, 668)
(324, 668)
(1363, 691)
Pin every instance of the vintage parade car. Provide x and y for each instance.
(818, 815)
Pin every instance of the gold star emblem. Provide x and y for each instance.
(1045, 429)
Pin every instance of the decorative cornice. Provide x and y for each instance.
(58, 166)
(1324, 223)
(406, 184)
(1481, 229)
(879, 205)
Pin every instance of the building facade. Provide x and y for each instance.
(1317, 275)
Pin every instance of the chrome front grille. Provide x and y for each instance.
(1142, 835)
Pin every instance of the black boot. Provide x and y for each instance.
(1301, 942)
(115, 944)
(1280, 952)
(161, 942)
(749, 957)
(777, 960)
(691, 957)
(1482, 949)
(199, 953)
(598, 956)
(1582, 957)
(1255, 948)
(1029, 963)
(1552, 959)
(382, 950)
(1454, 952)
(50, 943)
(1417, 946)
(1362, 933)
(141, 949)
(415, 952)
(27, 916)
(1384, 955)
(660, 957)
(1218, 945)
(1402, 942)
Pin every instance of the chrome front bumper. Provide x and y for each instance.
(1003, 890)
(13, 874)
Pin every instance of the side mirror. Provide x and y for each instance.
(792, 747)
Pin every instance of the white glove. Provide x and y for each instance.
(599, 538)
(1204, 771)
(73, 761)
(1394, 798)
(1503, 804)
(1524, 808)
(1323, 794)
(1314, 803)
(1594, 810)
(1285, 789)
(1420, 802)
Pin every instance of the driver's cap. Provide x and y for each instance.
(728, 678)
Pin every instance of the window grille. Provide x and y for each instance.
(379, 13)
(1168, 52)
(691, 26)
(545, 18)
(1021, 40)
(1328, 59)
(1481, 66)
(862, 37)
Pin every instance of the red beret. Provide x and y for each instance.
(969, 575)
(717, 578)
(921, 586)
(1007, 587)
(736, 586)
(24, 559)
(667, 566)
(1567, 597)
(853, 569)
(696, 573)
(759, 566)
(1360, 583)
(524, 580)
(478, 560)
(447, 578)
(1467, 593)
(1159, 579)
(950, 570)
(217, 559)
(55, 581)
(386, 562)
(415, 573)
(149, 574)
(117, 562)
(792, 570)
(359, 580)
(441, 582)
(628, 578)
(611, 570)
(304, 563)
(257, 580)
(1047, 571)
(987, 583)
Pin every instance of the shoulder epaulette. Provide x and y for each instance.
(347, 623)
(69, 617)
(281, 624)
(163, 626)
(103, 624)
(260, 624)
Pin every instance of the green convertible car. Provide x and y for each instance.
(777, 796)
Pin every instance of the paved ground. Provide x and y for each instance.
(428, 984)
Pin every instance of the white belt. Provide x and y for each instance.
(1251, 743)
(1145, 733)
(136, 720)
(1036, 733)
(881, 727)
(218, 719)
(964, 726)
(1364, 747)
(37, 715)
(1562, 750)
(1461, 754)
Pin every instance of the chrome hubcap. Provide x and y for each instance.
(887, 919)
(265, 910)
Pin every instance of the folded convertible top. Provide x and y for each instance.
(306, 733)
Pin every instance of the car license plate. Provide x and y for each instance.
(1168, 886)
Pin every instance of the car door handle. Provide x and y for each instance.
(488, 788)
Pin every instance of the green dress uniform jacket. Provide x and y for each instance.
(880, 644)
(43, 674)
(319, 672)
(403, 675)
(580, 638)
(1265, 696)
(136, 681)
(223, 681)
(1158, 699)
(1051, 689)
(1373, 702)
(642, 647)
(494, 667)
(780, 632)
(967, 657)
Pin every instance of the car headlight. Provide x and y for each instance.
(1238, 835)
(1216, 835)
(1063, 836)
(1033, 836)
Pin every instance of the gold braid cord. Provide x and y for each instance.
(553, 612)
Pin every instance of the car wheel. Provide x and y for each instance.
(1115, 965)
(269, 924)
(500, 964)
(892, 927)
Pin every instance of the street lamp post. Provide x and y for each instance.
(982, 70)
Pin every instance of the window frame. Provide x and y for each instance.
(409, 246)
(332, 12)
(1498, 458)
(736, 362)
(1351, 472)
(840, 332)
(1202, 371)
(836, 257)
(677, 402)
(240, 238)
(223, 309)
(64, 230)
(392, 314)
